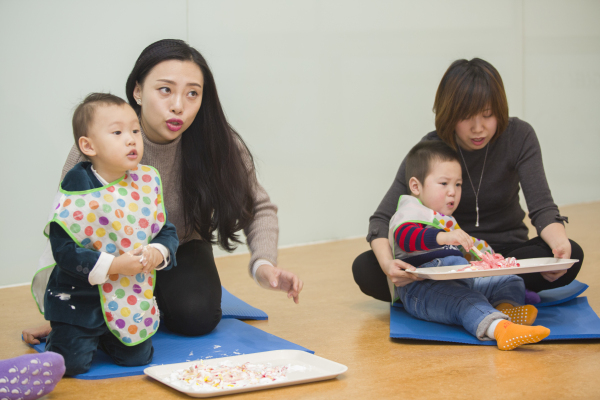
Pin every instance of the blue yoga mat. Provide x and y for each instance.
(560, 295)
(231, 335)
(230, 338)
(551, 297)
(235, 308)
(567, 318)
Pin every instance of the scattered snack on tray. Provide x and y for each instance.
(228, 375)
(491, 261)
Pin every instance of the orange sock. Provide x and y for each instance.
(524, 315)
(510, 336)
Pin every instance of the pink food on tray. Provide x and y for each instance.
(491, 261)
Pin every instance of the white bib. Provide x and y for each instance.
(410, 209)
(121, 216)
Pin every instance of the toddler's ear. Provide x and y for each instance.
(414, 186)
(86, 146)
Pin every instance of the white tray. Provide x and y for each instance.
(527, 266)
(317, 369)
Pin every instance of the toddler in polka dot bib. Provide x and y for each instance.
(108, 234)
(118, 218)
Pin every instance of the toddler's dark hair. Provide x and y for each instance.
(84, 113)
(421, 157)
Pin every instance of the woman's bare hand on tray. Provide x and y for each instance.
(556, 237)
(395, 270)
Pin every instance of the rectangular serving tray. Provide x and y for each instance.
(527, 266)
(317, 369)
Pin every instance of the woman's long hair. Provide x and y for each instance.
(216, 186)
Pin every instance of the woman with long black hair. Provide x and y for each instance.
(210, 186)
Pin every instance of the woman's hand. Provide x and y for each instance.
(556, 237)
(32, 335)
(394, 269)
(274, 278)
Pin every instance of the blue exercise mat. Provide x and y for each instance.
(235, 308)
(230, 338)
(574, 319)
(567, 318)
(551, 297)
(560, 295)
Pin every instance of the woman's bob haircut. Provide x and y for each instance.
(467, 89)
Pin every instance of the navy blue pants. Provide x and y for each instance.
(78, 345)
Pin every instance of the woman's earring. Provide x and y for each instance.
(138, 101)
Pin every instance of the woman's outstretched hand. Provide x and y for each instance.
(32, 335)
(274, 278)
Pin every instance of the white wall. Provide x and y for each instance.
(329, 95)
(562, 93)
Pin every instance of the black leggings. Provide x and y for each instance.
(373, 282)
(189, 295)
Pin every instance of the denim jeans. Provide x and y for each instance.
(465, 302)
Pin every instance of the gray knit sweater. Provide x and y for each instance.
(515, 157)
(262, 234)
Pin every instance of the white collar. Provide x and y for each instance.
(101, 179)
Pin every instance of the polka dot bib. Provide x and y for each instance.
(410, 209)
(121, 216)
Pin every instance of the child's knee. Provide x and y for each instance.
(515, 280)
(78, 360)
(75, 365)
(136, 361)
(143, 355)
(502, 281)
(75, 362)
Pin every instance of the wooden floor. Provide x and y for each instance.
(339, 323)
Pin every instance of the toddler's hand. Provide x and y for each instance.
(126, 264)
(33, 335)
(151, 258)
(457, 237)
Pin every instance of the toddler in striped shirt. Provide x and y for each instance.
(488, 307)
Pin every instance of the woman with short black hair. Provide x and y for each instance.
(498, 156)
